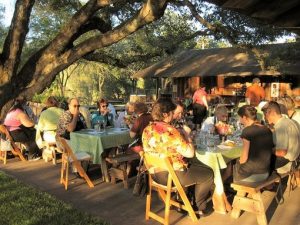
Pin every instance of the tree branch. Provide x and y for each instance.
(67, 33)
(150, 11)
(121, 63)
(15, 38)
(215, 28)
(49, 63)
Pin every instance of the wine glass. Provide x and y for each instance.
(100, 124)
(104, 122)
(97, 125)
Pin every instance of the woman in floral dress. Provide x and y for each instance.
(161, 137)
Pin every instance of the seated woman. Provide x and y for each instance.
(139, 124)
(21, 129)
(125, 115)
(161, 137)
(103, 114)
(46, 127)
(254, 163)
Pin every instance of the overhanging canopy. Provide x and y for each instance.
(215, 62)
(281, 13)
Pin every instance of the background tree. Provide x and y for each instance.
(63, 32)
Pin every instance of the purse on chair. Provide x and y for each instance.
(5, 145)
(141, 184)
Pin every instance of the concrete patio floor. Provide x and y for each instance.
(117, 205)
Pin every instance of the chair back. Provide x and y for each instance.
(159, 162)
(15, 149)
(4, 131)
(68, 154)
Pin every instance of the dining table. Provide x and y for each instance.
(217, 158)
(97, 142)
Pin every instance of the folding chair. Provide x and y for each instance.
(14, 148)
(50, 152)
(69, 157)
(163, 163)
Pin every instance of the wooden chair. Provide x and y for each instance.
(69, 157)
(50, 152)
(249, 199)
(153, 162)
(15, 149)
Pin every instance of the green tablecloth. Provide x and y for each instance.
(217, 160)
(94, 142)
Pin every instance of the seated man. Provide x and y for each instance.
(286, 137)
(46, 127)
(71, 120)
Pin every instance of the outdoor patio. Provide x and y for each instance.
(117, 205)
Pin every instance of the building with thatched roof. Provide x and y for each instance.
(224, 71)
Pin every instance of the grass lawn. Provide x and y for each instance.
(22, 204)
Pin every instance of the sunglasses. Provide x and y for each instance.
(76, 106)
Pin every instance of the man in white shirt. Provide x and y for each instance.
(286, 137)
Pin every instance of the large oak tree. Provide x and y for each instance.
(41, 68)
(91, 29)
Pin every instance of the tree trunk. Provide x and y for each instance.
(42, 67)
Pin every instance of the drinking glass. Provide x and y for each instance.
(104, 124)
(100, 124)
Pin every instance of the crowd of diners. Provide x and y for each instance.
(271, 142)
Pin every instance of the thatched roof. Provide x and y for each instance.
(276, 12)
(214, 62)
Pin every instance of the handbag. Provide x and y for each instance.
(5, 145)
(141, 184)
(136, 145)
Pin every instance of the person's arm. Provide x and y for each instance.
(189, 152)
(263, 94)
(25, 120)
(132, 134)
(184, 147)
(185, 131)
(245, 151)
(205, 101)
(135, 127)
(280, 152)
(72, 125)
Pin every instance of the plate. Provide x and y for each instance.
(88, 130)
(224, 147)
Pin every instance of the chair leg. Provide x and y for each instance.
(167, 208)
(53, 156)
(236, 210)
(260, 214)
(148, 202)
(5, 157)
(67, 176)
(64, 173)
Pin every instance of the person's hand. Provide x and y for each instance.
(76, 112)
(187, 129)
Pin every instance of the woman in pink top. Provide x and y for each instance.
(21, 128)
(200, 106)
